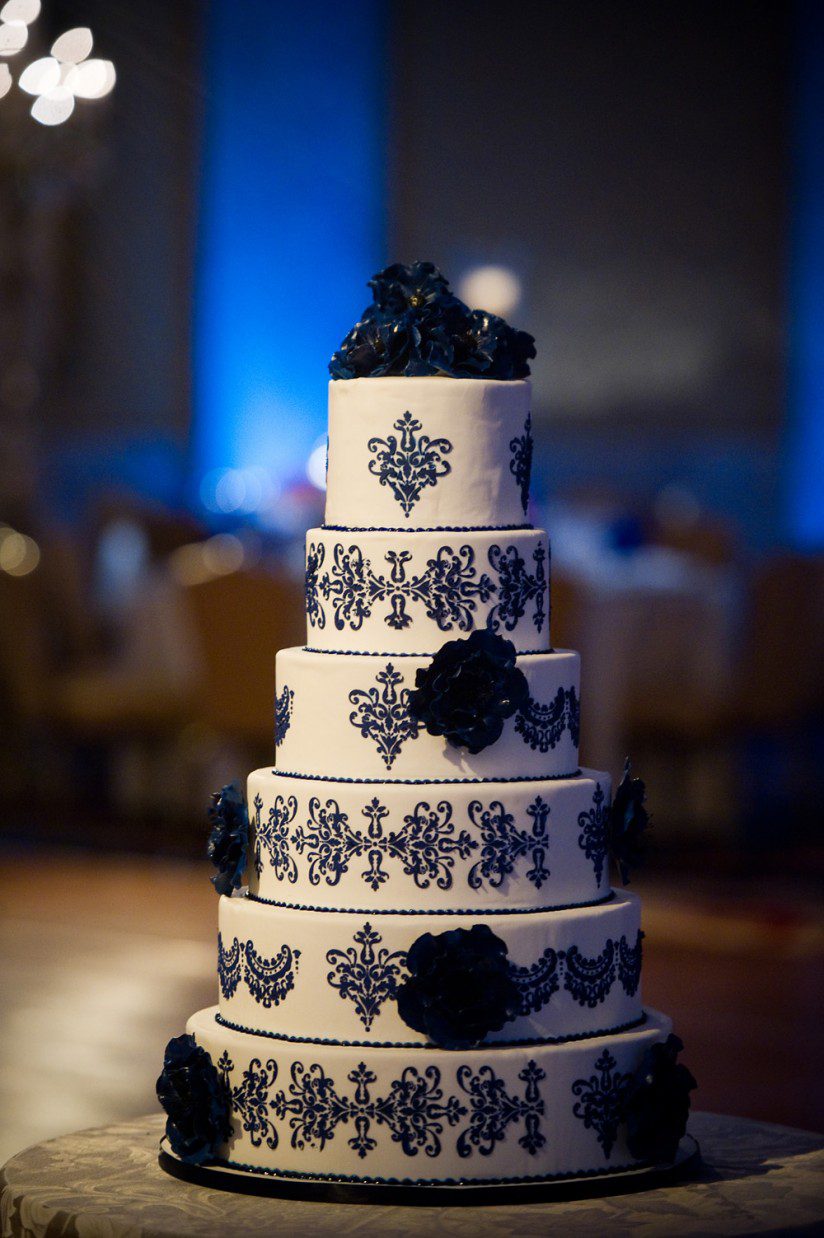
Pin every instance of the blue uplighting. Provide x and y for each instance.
(292, 221)
(806, 357)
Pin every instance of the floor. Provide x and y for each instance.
(102, 958)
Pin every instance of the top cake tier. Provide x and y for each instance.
(428, 453)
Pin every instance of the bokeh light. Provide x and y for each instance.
(493, 288)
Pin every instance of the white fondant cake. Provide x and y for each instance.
(364, 594)
(426, 453)
(442, 847)
(296, 972)
(422, 1115)
(378, 850)
(347, 716)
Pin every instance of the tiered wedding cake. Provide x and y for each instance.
(430, 979)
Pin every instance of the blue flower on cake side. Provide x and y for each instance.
(469, 689)
(628, 822)
(229, 839)
(657, 1103)
(416, 326)
(459, 988)
(195, 1099)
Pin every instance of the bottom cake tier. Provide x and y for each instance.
(424, 1115)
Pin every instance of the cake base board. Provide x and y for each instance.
(336, 1190)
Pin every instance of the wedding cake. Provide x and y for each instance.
(429, 979)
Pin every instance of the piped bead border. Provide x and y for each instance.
(383, 653)
(435, 528)
(426, 782)
(487, 1046)
(431, 911)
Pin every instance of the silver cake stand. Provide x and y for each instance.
(340, 1190)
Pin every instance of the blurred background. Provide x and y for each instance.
(639, 185)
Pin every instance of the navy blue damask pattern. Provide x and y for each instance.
(448, 588)
(272, 836)
(492, 1110)
(520, 466)
(629, 964)
(414, 1110)
(541, 726)
(269, 981)
(602, 1099)
(314, 562)
(517, 588)
(426, 844)
(382, 714)
(594, 829)
(283, 713)
(503, 844)
(229, 966)
(251, 1098)
(367, 974)
(409, 462)
(589, 981)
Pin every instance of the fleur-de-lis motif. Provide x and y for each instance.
(492, 1110)
(517, 588)
(593, 837)
(503, 844)
(448, 588)
(603, 1096)
(328, 840)
(408, 462)
(426, 845)
(541, 726)
(367, 974)
(283, 713)
(273, 837)
(414, 1110)
(520, 466)
(382, 714)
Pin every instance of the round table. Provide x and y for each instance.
(106, 1183)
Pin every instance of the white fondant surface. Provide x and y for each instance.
(392, 593)
(296, 1127)
(461, 846)
(478, 418)
(335, 695)
(334, 974)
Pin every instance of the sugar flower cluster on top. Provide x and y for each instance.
(416, 327)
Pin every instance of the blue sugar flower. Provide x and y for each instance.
(459, 987)
(468, 690)
(195, 1099)
(399, 288)
(376, 348)
(628, 823)
(657, 1103)
(229, 839)
(415, 326)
